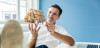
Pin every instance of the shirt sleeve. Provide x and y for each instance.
(63, 31)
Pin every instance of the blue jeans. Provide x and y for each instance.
(42, 46)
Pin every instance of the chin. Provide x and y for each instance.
(51, 21)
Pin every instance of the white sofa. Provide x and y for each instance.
(26, 36)
(77, 44)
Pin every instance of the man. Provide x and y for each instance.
(49, 33)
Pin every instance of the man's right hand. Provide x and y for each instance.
(34, 32)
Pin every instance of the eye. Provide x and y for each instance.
(49, 11)
(55, 14)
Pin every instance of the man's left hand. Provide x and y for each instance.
(51, 28)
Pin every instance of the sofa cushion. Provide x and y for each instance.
(26, 36)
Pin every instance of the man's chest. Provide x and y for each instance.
(44, 34)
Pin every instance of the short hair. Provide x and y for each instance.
(12, 30)
(58, 7)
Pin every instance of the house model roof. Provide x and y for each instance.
(34, 16)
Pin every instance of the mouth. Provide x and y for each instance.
(50, 18)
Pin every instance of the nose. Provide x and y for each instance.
(51, 15)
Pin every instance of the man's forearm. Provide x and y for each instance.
(32, 43)
(64, 38)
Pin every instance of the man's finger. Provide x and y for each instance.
(51, 28)
(51, 25)
(29, 27)
(35, 26)
(32, 26)
(38, 29)
(46, 24)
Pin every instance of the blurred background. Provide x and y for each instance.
(80, 18)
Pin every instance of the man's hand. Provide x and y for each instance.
(34, 32)
(51, 28)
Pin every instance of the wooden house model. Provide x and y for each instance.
(34, 16)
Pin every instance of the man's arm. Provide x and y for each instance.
(34, 32)
(64, 38)
(32, 43)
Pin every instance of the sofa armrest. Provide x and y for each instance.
(62, 45)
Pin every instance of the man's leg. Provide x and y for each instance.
(42, 46)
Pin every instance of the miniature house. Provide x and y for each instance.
(34, 16)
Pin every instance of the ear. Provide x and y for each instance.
(58, 17)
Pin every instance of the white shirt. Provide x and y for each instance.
(45, 38)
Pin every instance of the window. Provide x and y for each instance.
(6, 15)
(16, 9)
(13, 9)
(23, 9)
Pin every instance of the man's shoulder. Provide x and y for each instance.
(58, 26)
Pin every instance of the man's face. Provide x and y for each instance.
(52, 15)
